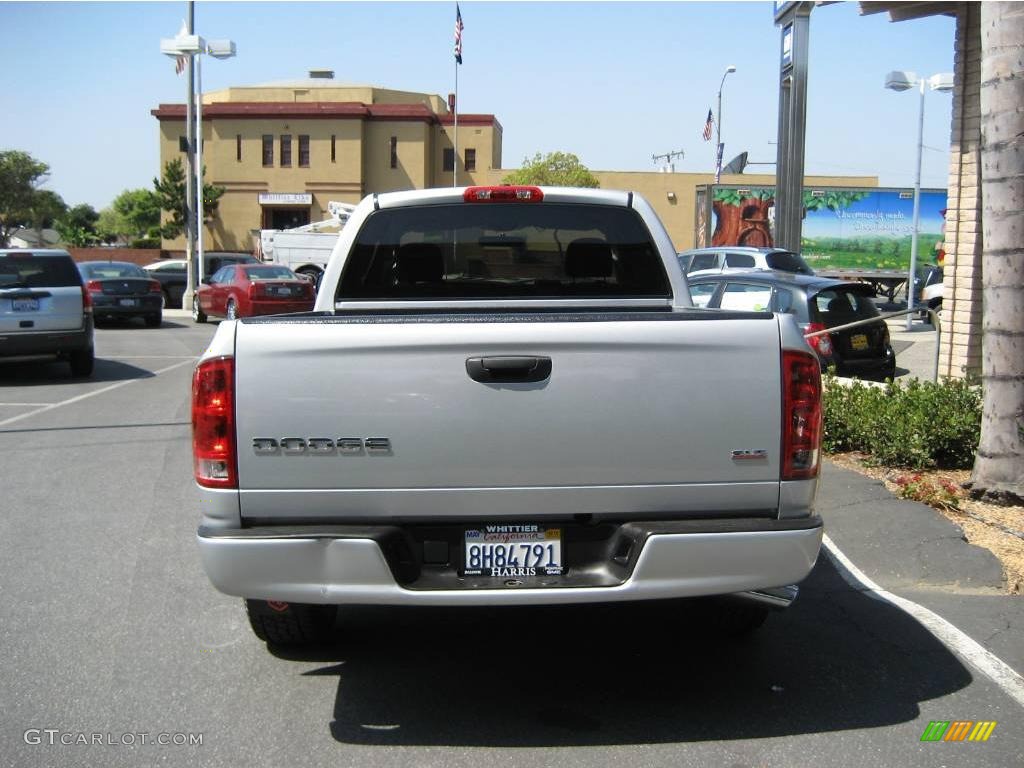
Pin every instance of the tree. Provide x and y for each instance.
(77, 227)
(170, 191)
(138, 211)
(20, 175)
(998, 473)
(555, 169)
(44, 208)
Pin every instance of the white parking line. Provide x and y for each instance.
(979, 657)
(95, 392)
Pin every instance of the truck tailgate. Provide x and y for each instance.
(640, 414)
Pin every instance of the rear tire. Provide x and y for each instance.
(198, 316)
(82, 361)
(154, 321)
(232, 310)
(282, 623)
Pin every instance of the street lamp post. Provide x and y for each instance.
(719, 148)
(194, 46)
(219, 49)
(903, 81)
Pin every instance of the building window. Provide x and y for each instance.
(394, 151)
(238, 147)
(448, 163)
(286, 149)
(268, 150)
(303, 151)
(333, 153)
(470, 159)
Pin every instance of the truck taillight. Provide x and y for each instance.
(214, 456)
(820, 344)
(513, 194)
(86, 301)
(801, 415)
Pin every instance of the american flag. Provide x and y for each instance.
(458, 34)
(707, 126)
(179, 64)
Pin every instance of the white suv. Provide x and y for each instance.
(45, 311)
(732, 258)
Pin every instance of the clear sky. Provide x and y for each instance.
(612, 82)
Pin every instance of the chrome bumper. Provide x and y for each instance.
(327, 570)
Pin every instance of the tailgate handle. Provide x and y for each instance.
(507, 370)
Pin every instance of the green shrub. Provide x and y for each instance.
(146, 242)
(917, 424)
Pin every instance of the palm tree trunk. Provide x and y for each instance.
(999, 465)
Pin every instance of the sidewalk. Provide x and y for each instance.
(913, 551)
(915, 349)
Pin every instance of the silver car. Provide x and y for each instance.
(45, 311)
(730, 258)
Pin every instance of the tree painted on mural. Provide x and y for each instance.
(742, 216)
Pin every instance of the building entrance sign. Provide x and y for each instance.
(285, 198)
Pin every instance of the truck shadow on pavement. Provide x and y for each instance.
(57, 373)
(627, 674)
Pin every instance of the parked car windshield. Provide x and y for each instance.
(114, 269)
(269, 273)
(840, 305)
(787, 261)
(32, 270)
(494, 250)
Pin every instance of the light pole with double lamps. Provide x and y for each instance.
(904, 81)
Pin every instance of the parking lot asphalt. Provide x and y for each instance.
(110, 627)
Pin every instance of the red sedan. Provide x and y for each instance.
(244, 290)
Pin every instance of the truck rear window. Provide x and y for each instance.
(498, 250)
(36, 270)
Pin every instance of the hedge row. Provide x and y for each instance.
(919, 424)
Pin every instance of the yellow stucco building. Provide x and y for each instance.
(282, 151)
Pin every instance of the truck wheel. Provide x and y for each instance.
(282, 623)
(730, 619)
(166, 298)
(198, 315)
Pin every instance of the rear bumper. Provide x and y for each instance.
(349, 565)
(31, 344)
(109, 306)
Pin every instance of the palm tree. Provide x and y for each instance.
(998, 472)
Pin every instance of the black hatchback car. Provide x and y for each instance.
(818, 304)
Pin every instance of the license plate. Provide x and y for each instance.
(859, 341)
(503, 551)
(283, 291)
(25, 305)
(126, 302)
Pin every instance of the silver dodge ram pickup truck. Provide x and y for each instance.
(504, 396)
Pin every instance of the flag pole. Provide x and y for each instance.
(455, 137)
